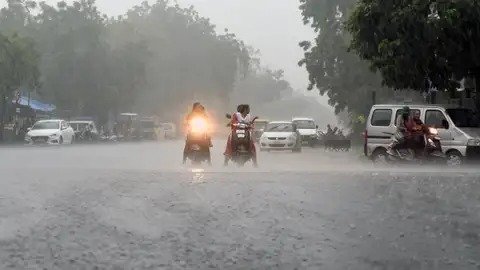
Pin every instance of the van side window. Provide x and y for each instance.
(381, 118)
(412, 113)
(435, 118)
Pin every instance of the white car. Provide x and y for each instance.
(308, 130)
(280, 135)
(50, 132)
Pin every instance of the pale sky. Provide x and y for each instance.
(274, 27)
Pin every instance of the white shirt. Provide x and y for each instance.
(240, 118)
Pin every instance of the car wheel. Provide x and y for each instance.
(380, 156)
(454, 158)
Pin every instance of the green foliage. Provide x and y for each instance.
(333, 70)
(156, 59)
(414, 43)
(18, 63)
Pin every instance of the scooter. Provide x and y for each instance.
(198, 142)
(242, 142)
(427, 150)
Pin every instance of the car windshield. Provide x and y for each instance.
(463, 118)
(305, 124)
(46, 125)
(279, 127)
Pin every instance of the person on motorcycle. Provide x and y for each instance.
(241, 116)
(405, 128)
(198, 110)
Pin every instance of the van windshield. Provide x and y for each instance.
(463, 118)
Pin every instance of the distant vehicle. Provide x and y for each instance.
(280, 135)
(258, 128)
(169, 130)
(458, 130)
(307, 129)
(130, 127)
(148, 128)
(50, 132)
(85, 130)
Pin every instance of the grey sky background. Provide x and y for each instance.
(274, 27)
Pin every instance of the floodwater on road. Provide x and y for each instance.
(134, 206)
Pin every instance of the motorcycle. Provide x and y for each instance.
(241, 142)
(426, 149)
(198, 142)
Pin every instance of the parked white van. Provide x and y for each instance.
(458, 130)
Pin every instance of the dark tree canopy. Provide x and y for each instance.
(333, 70)
(418, 44)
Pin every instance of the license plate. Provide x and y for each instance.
(196, 147)
(241, 136)
(277, 145)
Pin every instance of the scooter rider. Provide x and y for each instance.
(197, 111)
(405, 128)
(241, 116)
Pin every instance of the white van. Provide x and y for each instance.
(458, 130)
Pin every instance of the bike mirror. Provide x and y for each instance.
(228, 116)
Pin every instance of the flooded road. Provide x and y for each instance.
(134, 206)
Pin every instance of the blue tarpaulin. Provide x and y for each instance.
(36, 105)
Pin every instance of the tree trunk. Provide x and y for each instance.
(477, 91)
(3, 109)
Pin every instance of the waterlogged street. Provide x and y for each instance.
(134, 206)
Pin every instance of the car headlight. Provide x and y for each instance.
(473, 142)
(28, 137)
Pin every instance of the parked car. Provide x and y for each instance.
(169, 130)
(280, 135)
(308, 131)
(457, 127)
(50, 132)
(85, 130)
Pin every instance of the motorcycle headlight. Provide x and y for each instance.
(433, 131)
(473, 142)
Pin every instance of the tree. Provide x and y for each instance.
(18, 67)
(333, 70)
(418, 44)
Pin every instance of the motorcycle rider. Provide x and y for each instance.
(198, 110)
(241, 116)
(405, 127)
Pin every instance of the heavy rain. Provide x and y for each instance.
(214, 134)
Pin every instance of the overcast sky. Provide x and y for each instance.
(273, 26)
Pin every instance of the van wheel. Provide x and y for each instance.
(454, 158)
(380, 156)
